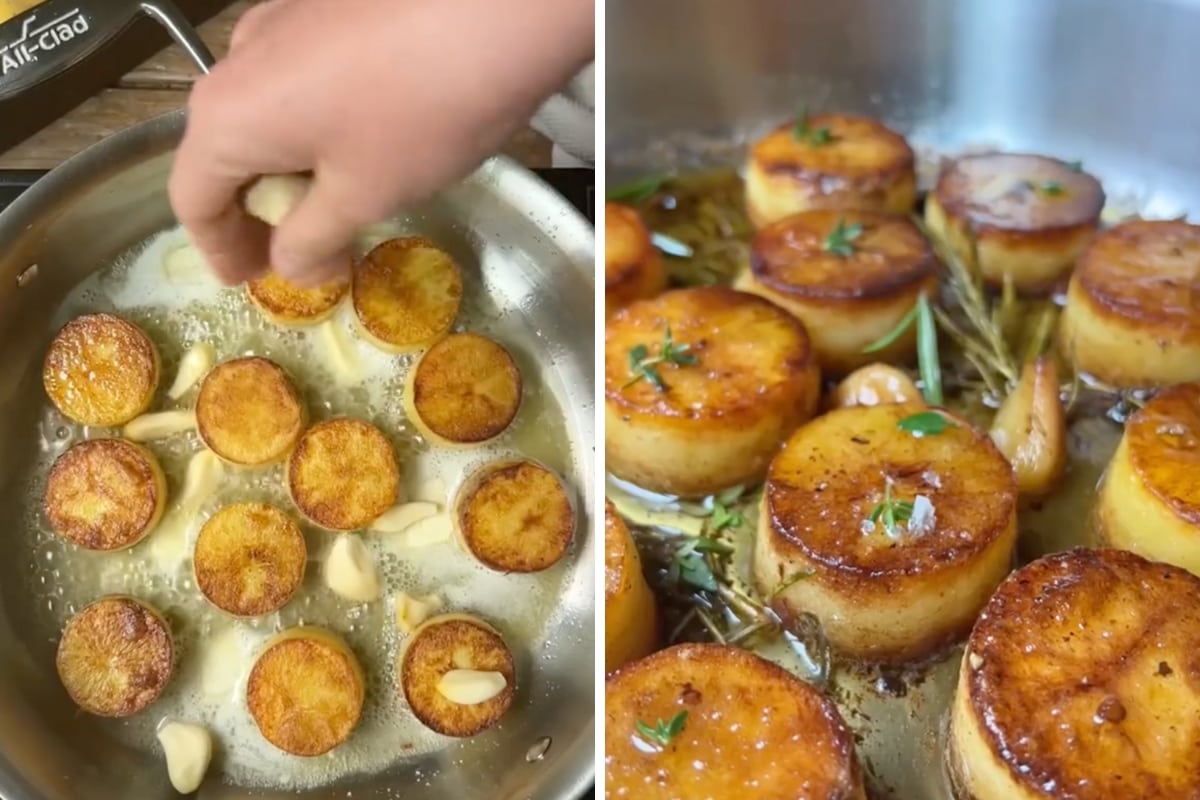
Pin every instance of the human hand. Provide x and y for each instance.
(384, 101)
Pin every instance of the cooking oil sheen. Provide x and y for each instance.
(164, 286)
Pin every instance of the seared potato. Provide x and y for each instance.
(105, 494)
(824, 544)
(101, 370)
(306, 691)
(849, 276)
(759, 731)
(249, 559)
(343, 474)
(248, 412)
(1081, 680)
(633, 267)
(406, 294)
(447, 643)
(115, 657)
(464, 390)
(1030, 216)
(1132, 317)
(839, 161)
(748, 377)
(1150, 498)
(291, 306)
(514, 516)
(630, 615)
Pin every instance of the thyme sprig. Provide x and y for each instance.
(802, 131)
(891, 512)
(661, 733)
(644, 366)
(840, 240)
(637, 191)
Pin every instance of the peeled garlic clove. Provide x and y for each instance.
(432, 491)
(197, 361)
(350, 570)
(342, 357)
(272, 197)
(1030, 429)
(188, 749)
(428, 531)
(204, 473)
(468, 687)
(873, 385)
(159, 425)
(183, 263)
(403, 516)
(411, 612)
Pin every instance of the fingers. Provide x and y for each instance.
(253, 21)
(313, 243)
(205, 200)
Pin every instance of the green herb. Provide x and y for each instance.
(1051, 188)
(802, 132)
(794, 578)
(670, 245)
(643, 366)
(723, 518)
(690, 565)
(730, 495)
(1074, 166)
(840, 240)
(661, 733)
(637, 191)
(927, 347)
(891, 512)
(926, 423)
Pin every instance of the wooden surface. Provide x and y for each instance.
(160, 85)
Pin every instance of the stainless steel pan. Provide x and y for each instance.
(112, 196)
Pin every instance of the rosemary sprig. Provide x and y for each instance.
(690, 565)
(637, 191)
(840, 240)
(644, 366)
(927, 347)
(926, 423)
(890, 511)
(803, 132)
(661, 733)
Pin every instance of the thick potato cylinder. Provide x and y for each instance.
(633, 267)
(719, 410)
(630, 616)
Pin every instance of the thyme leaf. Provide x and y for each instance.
(644, 366)
(803, 132)
(840, 240)
(661, 733)
(637, 191)
(892, 513)
(1051, 188)
(926, 423)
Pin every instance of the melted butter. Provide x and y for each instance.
(164, 287)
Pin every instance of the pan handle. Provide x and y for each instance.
(55, 35)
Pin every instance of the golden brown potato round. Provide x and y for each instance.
(105, 494)
(633, 267)
(306, 691)
(514, 516)
(406, 294)
(454, 642)
(759, 731)
(630, 615)
(464, 390)
(1132, 317)
(1081, 680)
(115, 657)
(248, 412)
(343, 474)
(842, 162)
(291, 306)
(1150, 499)
(1030, 216)
(714, 423)
(822, 548)
(249, 559)
(101, 370)
(849, 290)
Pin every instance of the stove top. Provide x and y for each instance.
(577, 185)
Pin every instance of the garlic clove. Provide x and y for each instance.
(188, 750)
(184, 264)
(426, 532)
(432, 491)
(196, 362)
(159, 425)
(350, 571)
(412, 611)
(1030, 429)
(272, 197)
(403, 516)
(203, 477)
(342, 357)
(468, 687)
(875, 384)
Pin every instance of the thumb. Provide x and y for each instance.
(313, 242)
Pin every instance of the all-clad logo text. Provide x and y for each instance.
(41, 37)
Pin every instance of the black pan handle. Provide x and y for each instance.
(58, 34)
